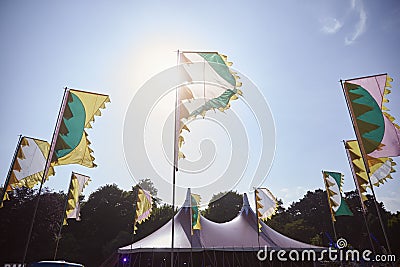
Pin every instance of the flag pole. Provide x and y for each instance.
(364, 157)
(257, 219)
(175, 164)
(363, 208)
(62, 218)
(135, 197)
(330, 208)
(47, 167)
(10, 170)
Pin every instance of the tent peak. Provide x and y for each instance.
(186, 204)
(246, 204)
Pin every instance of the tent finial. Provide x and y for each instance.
(187, 200)
(246, 204)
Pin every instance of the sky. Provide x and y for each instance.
(294, 52)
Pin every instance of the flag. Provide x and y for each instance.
(211, 85)
(381, 169)
(144, 205)
(266, 205)
(77, 114)
(333, 184)
(379, 136)
(28, 165)
(77, 184)
(195, 211)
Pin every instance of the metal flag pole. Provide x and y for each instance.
(62, 218)
(359, 195)
(135, 199)
(330, 208)
(364, 157)
(46, 169)
(257, 219)
(3, 192)
(175, 164)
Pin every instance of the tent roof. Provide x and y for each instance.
(237, 234)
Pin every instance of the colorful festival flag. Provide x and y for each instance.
(381, 169)
(77, 184)
(266, 205)
(78, 111)
(211, 85)
(195, 211)
(28, 165)
(144, 205)
(333, 184)
(379, 136)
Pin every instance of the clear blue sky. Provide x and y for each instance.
(295, 51)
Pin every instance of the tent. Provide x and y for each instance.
(231, 243)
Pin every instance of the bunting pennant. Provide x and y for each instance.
(195, 211)
(333, 184)
(144, 205)
(379, 136)
(28, 165)
(198, 97)
(266, 205)
(72, 144)
(77, 184)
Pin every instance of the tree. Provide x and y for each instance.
(107, 224)
(108, 211)
(224, 206)
(16, 217)
(309, 220)
(148, 185)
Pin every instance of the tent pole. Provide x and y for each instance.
(152, 258)
(215, 258)
(365, 160)
(191, 257)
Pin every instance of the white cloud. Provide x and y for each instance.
(353, 4)
(391, 203)
(331, 26)
(361, 25)
(289, 195)
(355, 28)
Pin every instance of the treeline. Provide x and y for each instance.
(309, 220)
(107, 223)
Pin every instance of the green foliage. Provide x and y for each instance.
(15, 220)
(309, 220)
(224, 206)
(107, 223)
(148, 185)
